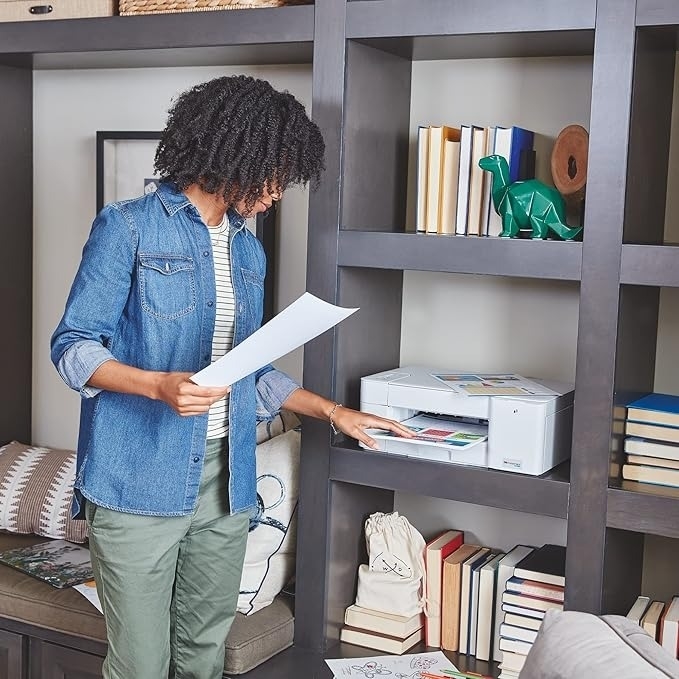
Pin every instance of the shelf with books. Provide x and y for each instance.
(650, 265)
(283, 35)
(546, 495)
(460, 254)
(643, 508)
(496, 29)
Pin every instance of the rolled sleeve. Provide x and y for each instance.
(79, 362)
(273, 389)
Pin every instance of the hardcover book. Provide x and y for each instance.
(660, 409)
(57, 562)
(546, 564)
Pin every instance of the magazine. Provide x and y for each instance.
(438, 431)
(57, 562)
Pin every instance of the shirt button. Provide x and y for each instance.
(210, 303)
(196, 459)
(206, 253)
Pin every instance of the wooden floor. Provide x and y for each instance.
(295, 663)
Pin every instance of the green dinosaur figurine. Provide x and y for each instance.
(526, 204)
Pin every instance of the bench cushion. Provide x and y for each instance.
(252, 640)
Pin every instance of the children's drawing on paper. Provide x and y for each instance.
(371, 669)
(390, 666)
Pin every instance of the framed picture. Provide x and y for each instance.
(124, 166)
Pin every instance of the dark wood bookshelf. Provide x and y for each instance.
(657, 13)
(650, 265)
(546, 495)
(643, 507)
(461, 254)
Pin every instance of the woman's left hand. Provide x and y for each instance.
(354, 423)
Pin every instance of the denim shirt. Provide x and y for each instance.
(144, 295)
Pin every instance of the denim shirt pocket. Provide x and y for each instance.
(254, 286)
(167, 285)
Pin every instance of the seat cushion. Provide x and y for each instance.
(252, 640)
(571, 645)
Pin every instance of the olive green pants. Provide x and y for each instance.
(169, 585)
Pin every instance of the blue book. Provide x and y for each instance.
(510, 142)
(659, 409)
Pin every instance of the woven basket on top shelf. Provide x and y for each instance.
(128, 7)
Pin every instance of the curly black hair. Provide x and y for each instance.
(237, 135)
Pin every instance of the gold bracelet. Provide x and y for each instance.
(335, 430)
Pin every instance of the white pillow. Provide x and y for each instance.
(270, 553)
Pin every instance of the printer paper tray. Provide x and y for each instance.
(476, 455)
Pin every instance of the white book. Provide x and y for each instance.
(653, 461)
(463, 180)
(525, 612)
(530, 602)
(502, 147)
(522, 621)
(487, 591)
(465, 595)
(487, 205)
(512, 661)
(638, 446)
(477, 178)
(638, 609)
(434, 172)
(505, 570)
(670, 628)
(422, 163)
(520, 633)
(515, 646)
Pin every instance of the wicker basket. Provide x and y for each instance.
(128, 7)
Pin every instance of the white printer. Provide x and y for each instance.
(528, 427)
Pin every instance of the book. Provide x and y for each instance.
(465, 595)
(538, 589)
(669, 630)
(512, 661)
(485, 619)
(505, 570)
(662, 409)
(651, 619)
(530, 602)
(435, 552)
(476, 181)
(438, 136)
(656, 475)
(488, 207)
(450, 604)
(451, 171)
(515, 646)
(638, 446)
(652, 431)
(474, 602)
(378, 641)
(521, 633)
(546, 564)
(522, 621)
(522, 611)
(653, 461)
(509, 143)
(378, 621)
(463, 180)
(422, 163)
(636, 613)
(57, 562)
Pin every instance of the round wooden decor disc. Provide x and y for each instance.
(569, 161)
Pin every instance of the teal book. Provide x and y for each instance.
(658, 409)
(57, 562)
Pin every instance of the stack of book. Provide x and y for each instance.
(453, 192)
(660, 619)
(381, 631)
(536, 586)
(652, 440)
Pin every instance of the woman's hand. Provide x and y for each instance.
(185, 397)
(354, 423)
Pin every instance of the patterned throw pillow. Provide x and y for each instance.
(36, 488)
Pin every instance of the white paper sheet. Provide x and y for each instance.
(396, 666)
(306, 318)
(89, 591)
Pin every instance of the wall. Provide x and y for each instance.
(69, 107)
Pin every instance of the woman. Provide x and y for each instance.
(167, 284)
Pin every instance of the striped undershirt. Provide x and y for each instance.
(222, 339)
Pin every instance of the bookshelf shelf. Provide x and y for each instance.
(657, 13)
(458, 254)
(435, 18)
(650, 265)
(546, 495)
(287, 32)
(643, 508)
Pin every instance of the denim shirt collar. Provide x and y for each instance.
(174, 200)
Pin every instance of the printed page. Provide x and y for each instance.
(438, 431)
(497, 384)
(306, 318)
(414, 666)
